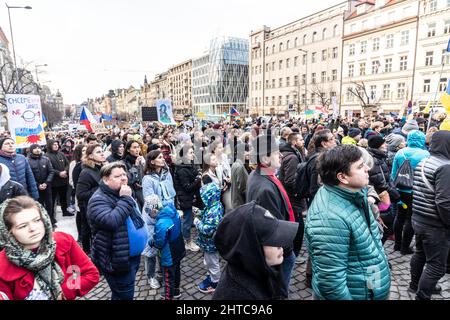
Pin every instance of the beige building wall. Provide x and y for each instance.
(180, 87)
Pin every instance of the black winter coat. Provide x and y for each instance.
(87, 184)
(107, 214)
(42, 169)
(135, 175)
(59, 163)
(187, 185)
(291, 159)
(379, 175)
(10, 190)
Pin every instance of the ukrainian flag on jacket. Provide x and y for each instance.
(168, 238)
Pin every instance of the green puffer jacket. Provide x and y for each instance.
(348, 259)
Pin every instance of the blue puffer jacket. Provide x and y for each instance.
(168, 237)
(161, 185)
(107, 214)
(414, 152)
(343, 241)
(212, 215)
(21, 172)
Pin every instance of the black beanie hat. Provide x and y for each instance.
(376, 141)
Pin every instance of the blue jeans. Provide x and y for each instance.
(287, 267)
(122, 285)
(188, 218)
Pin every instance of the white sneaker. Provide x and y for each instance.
(154, 283)
(192, 246)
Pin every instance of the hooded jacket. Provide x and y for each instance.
(20, 172)
(115, 144)
(8, 188)
(291, 159)
(431, 207)
(168, 237)
(414, 152)
(246, 275)
(59, 163)
(210, 218)
(161, 185)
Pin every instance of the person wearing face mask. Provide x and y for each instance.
(37, 263)
(117, 150)
(43, 174)
(135, 166)
(87, 184)
(251, 240)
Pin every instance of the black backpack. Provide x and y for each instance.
(405, 176)
(302, 178)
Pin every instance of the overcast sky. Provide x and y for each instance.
(92, 46)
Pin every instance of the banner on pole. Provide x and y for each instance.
(165, 114)
(25, 119)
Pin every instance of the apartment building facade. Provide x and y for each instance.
(180, 87)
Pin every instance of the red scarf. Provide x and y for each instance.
(270, 173)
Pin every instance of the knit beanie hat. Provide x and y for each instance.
(394, 140)
(353, 132)
(410, 125)
(376, 141)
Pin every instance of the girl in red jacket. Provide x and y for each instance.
(37, 264)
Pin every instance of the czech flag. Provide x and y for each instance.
(87, 118)
(44, 121)
(234, 112)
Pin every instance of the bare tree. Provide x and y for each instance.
(320, 92)
(360, 92)
(9, 83)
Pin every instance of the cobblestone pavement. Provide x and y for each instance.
(193, 272)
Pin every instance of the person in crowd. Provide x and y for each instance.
(413, 153)
(9, 189)
(210, 170)
(284, 134)
(251, 240)
(409, 126)
(187, 185)
(87, 184)
(268, 192)
(118, 231)
(207, 225)
(395, 142)
(43, 174)
(379, 178)
(19, 168)
(353, 137)
(292, 157)
(431, 218)
(37, 263)
(61, 178)
(428, 136)
(91, 139)
(168, 239)
(68, 148)
(223, 172)
(78, 154)
(135, 165)
(168, 149)
(342, 236)
(240, 171)
(363, 126)
(117, 150)
(156, 182)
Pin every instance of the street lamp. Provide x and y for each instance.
(36, 67)
(306, 79)
(12, 39)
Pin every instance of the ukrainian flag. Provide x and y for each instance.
(445, 98)
(44, 121)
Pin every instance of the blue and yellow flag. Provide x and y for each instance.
(44, 121)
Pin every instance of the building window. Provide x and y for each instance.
(267, 67)
(296, 81)
(324, 76)
(335, 52)
(447, 26)
(295, 61)
(389, 41)
(324, 55)
(267, 101)
(432, 29)
(363, 46)
(267, 51)
(445, 57)
(303, 79)
(335, 30)
(273, 66)
(351, 69)
(376, 44)
(280, 82)
(429, 58)
(443, 84)
(303, 98)
(405, 38)
(304, 59)
(288, 45)
(386, 91)
(400, 90)
(388, 65)
(273, 83)
(403, 63)
(280, 64)
(273, 101)
(314, 36)
(313, 98)
(288, 81)
(281, 46)
(432, 5)
(375, 66)
(362, 69)
(304, 39)
(373, 92)
(279, 101)
(287, 100)
(351, 49)
(349, 95)
(334, 75)
(426, 85)
(273, 49)
(313, 57)
(324, 33)
(267, 85)
(287, 63)
(313, 77)
(296, 42)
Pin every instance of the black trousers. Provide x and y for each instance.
(388, 220)
(46, 200)
(171, 279)
(60, 192)
(403, 230)
(298, 240)
(429, 261)
(85, 234)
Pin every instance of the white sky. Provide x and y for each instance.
(92, 46)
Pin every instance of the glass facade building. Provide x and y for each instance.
(220, 77)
